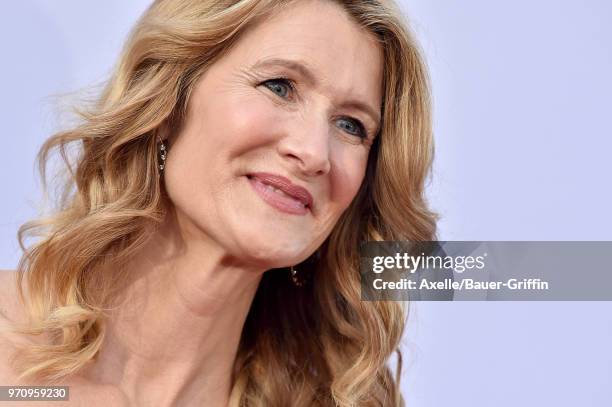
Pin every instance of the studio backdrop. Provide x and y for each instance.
(521, 97)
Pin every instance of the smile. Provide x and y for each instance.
(280, 193)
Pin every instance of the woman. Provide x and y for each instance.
(206, 248)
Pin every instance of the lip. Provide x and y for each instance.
(293, 199)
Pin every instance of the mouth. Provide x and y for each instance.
(280, 193)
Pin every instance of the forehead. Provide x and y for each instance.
(345, 59)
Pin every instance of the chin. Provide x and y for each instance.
(273, 252)
(267, 242)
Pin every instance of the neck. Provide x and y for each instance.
(173, 337)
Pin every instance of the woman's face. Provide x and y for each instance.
(276, 140)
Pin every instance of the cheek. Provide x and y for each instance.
(348, 173)
(240, 125)
(209, 152)
(215, 133)
(348, 170)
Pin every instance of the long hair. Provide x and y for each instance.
(314, 345)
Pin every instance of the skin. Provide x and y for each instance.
(174, 334)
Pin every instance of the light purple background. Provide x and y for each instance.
(522, 120)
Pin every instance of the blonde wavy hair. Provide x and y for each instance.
(317, 345)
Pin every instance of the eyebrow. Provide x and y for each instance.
(303, 70)
(297, 66)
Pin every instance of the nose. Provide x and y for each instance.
(307, 146)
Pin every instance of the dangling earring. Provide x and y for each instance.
(296, 278)
(161, 152)
(307, 268)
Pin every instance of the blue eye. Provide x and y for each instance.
(280, 86)
(352, 126)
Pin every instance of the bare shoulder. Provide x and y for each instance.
(81, 392)
(11, 308)
(10, 311)
(9, 300)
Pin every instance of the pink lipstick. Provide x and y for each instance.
(280, 193)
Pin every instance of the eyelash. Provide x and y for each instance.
(361, 131)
